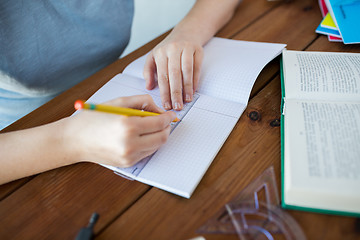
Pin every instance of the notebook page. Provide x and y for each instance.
(329, 76)
(125, 85)
(119, 86)
(180, 164)
(229, 68)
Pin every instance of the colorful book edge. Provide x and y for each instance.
(346, 17)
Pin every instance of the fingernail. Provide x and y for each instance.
(176, 119)
(177, 106)
(167, 106)
(188, 98)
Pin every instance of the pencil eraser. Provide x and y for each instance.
(79, 105)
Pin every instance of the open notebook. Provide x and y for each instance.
(229, 70)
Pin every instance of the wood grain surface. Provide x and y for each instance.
(57, 203)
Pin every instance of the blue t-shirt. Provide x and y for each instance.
(48, 46)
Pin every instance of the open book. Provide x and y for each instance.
(229, 71)
(321, 132)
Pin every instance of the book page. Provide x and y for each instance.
(322, 153)
(229, 71)
(322, 75)
(178, 165)
(229, 68)
(125, 85)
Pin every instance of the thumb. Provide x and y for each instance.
(141, 102)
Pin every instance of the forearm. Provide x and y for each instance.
(89, 136)
(204, 20)
(31, 151)
(174, 64)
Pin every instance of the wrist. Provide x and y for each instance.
(67, 142)
(187, 34)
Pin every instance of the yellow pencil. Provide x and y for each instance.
(79, 104)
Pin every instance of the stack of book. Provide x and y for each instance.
(341, 20)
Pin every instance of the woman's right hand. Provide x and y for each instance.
(118, 140)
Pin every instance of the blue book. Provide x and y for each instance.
(327, 31)
(346, 15)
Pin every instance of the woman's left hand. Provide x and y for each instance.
(176, 64)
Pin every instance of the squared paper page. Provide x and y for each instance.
(229, 68)
(119, 86)
(180, 164)
(125, 85)
(212, 121)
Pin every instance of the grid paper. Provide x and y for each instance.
(229, 71)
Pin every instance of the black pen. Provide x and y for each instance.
(87, 232)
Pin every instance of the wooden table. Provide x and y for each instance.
(57, 203)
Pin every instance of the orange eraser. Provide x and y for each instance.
(79, 104)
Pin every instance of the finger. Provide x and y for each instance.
(142, 102)
(149, 71)
(187, 63)
(142, 154)
(146, 145)
(133, 159)
(152, 142)
(141, 146)
(163, 81)
(198, 57)
(152, 124)
(175, 79)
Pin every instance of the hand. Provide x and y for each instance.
(176, 63)
(118, 140)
